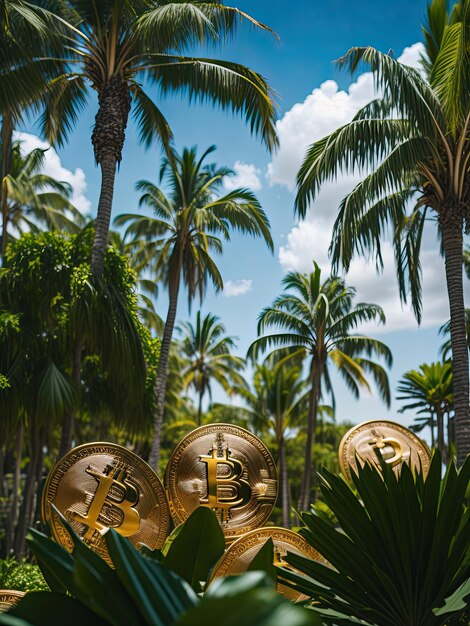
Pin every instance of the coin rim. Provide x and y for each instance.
(16, 593)
(232, 547)
(345, 468)
(47, 519)
(233, 535)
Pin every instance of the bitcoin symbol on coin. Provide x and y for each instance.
(113, 503)
(382, 442)
(225, 491)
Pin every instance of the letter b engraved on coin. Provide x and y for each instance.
(112, 505)
(225, 491)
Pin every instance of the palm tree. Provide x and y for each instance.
(31, 198)
(315, 320)
(28, 34)
(279, 402)
(430, 390)
(207, 350)
(178, 243)
(118, 45)
(414, 137)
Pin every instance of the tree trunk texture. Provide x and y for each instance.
(160, 382)
(441, 444)
(68, 420)
(199, 409)
(30, 491)
(284, 480)
(108, 140)
(451, 223)
(305, 486)
(13, 512)
(7, 141)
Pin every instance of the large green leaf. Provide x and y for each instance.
(196, 548)
(459, 600)
(249, 599)
(160, 595)
(264, 560)
(47, 608)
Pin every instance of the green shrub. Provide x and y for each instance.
(21, 576)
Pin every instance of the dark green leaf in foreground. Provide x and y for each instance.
(400, 551)
(196, 548)
(46, 608)
(249, 600)
(264, 560)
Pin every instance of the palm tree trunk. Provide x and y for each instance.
(103, 217)
(441, 444)
(29, 493)
(199, 408)
(7, 141)
(284, 476)
(160, 382)
(68, 420)
(108, 141)
(304, 498)
(451, 223)
(12, 519)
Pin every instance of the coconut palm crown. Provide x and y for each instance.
(413, 139)
(115, 47)
(178, 243)
(315, 319)
(207, 350)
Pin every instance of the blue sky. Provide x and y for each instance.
(312, 34)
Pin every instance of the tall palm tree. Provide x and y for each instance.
(207, 350)
(414, 137)
(430, 390)
(279, 402)
(178, 243)
(316, 320)
(116, 46)
(32, 198)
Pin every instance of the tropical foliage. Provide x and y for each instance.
(413, 139)
(316, 320)
(430, 391)
(111, 47)
(31, 198)
(141, 590)
(400, 552)
(207, 351)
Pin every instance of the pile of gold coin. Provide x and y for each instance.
(226, 468)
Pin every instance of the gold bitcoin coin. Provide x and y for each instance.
(98, 486)
(241, 552)
(226, 468)
(395, 443)
(8, 598)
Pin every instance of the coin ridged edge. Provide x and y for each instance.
(252, 538)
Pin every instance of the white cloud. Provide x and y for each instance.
(246, 175)
(237, 287)
(324, 110)
(53, 167)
